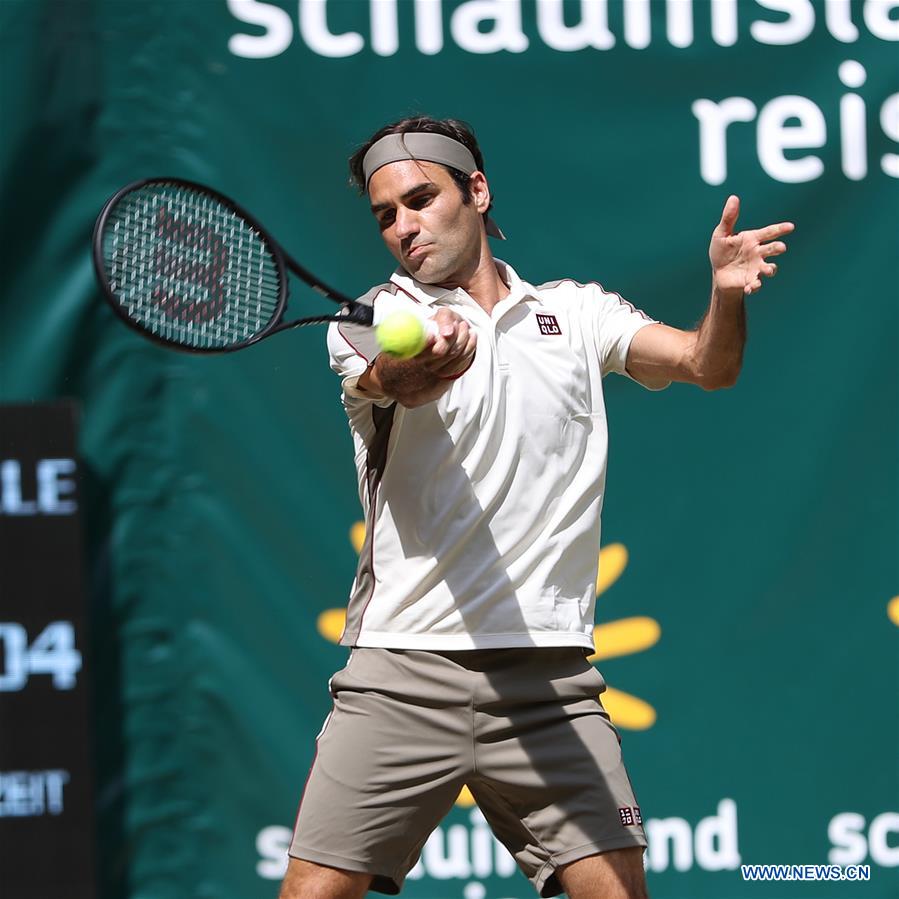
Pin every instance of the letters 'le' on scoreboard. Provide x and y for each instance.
(46, 789)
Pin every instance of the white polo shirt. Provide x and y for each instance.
(482, 508)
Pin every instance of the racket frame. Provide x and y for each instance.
(351, 310)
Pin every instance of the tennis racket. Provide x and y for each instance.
(187, 267)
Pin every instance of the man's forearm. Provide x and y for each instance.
(447, 355)
(720, 338)
(408, 381)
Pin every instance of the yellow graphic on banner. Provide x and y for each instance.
(893, 610)
(613, 639)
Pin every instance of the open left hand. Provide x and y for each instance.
(738, 260)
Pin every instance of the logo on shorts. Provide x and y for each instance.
(549, 324)
(630, 816)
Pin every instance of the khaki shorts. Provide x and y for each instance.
(525, 730)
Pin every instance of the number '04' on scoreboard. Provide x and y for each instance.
(52, 652)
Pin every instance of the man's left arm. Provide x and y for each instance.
(712, 355)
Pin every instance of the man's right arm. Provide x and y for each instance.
(427, 376)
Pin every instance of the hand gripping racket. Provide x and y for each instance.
(186, 266)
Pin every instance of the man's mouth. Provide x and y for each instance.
(416, 251)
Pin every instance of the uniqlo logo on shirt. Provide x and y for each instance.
(638, 818)
(548, 324)
(626, 815)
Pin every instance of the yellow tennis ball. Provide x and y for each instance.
(401, 335)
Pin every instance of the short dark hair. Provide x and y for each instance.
(454, 128)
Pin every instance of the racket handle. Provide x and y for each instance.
(358, 313)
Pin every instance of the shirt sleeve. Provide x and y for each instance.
(617, 321)
(351, 357)
(352, 348)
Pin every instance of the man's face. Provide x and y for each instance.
(426, 226)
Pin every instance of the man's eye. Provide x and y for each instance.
(419, 202)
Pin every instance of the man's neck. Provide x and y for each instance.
(484, 284)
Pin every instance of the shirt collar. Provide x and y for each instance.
(430, 293)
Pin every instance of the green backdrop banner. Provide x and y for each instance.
(748, 611)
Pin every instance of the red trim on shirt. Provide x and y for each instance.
(354, 348)
(611, 293)
(350, 344)
(403, 289)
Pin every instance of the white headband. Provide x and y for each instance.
(423, 147)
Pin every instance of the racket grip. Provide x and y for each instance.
(358, 313)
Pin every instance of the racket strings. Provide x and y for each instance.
(189, 269)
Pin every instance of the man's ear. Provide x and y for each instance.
(480, 190)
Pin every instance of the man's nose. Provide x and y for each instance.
(406, 223)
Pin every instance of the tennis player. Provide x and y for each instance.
(481, 465)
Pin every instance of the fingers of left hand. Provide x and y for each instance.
(729, 216)
(772, 231)
(772, 249)
(752, 287)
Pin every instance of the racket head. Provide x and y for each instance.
(187, 267)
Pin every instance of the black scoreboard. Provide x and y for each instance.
(46, 789)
